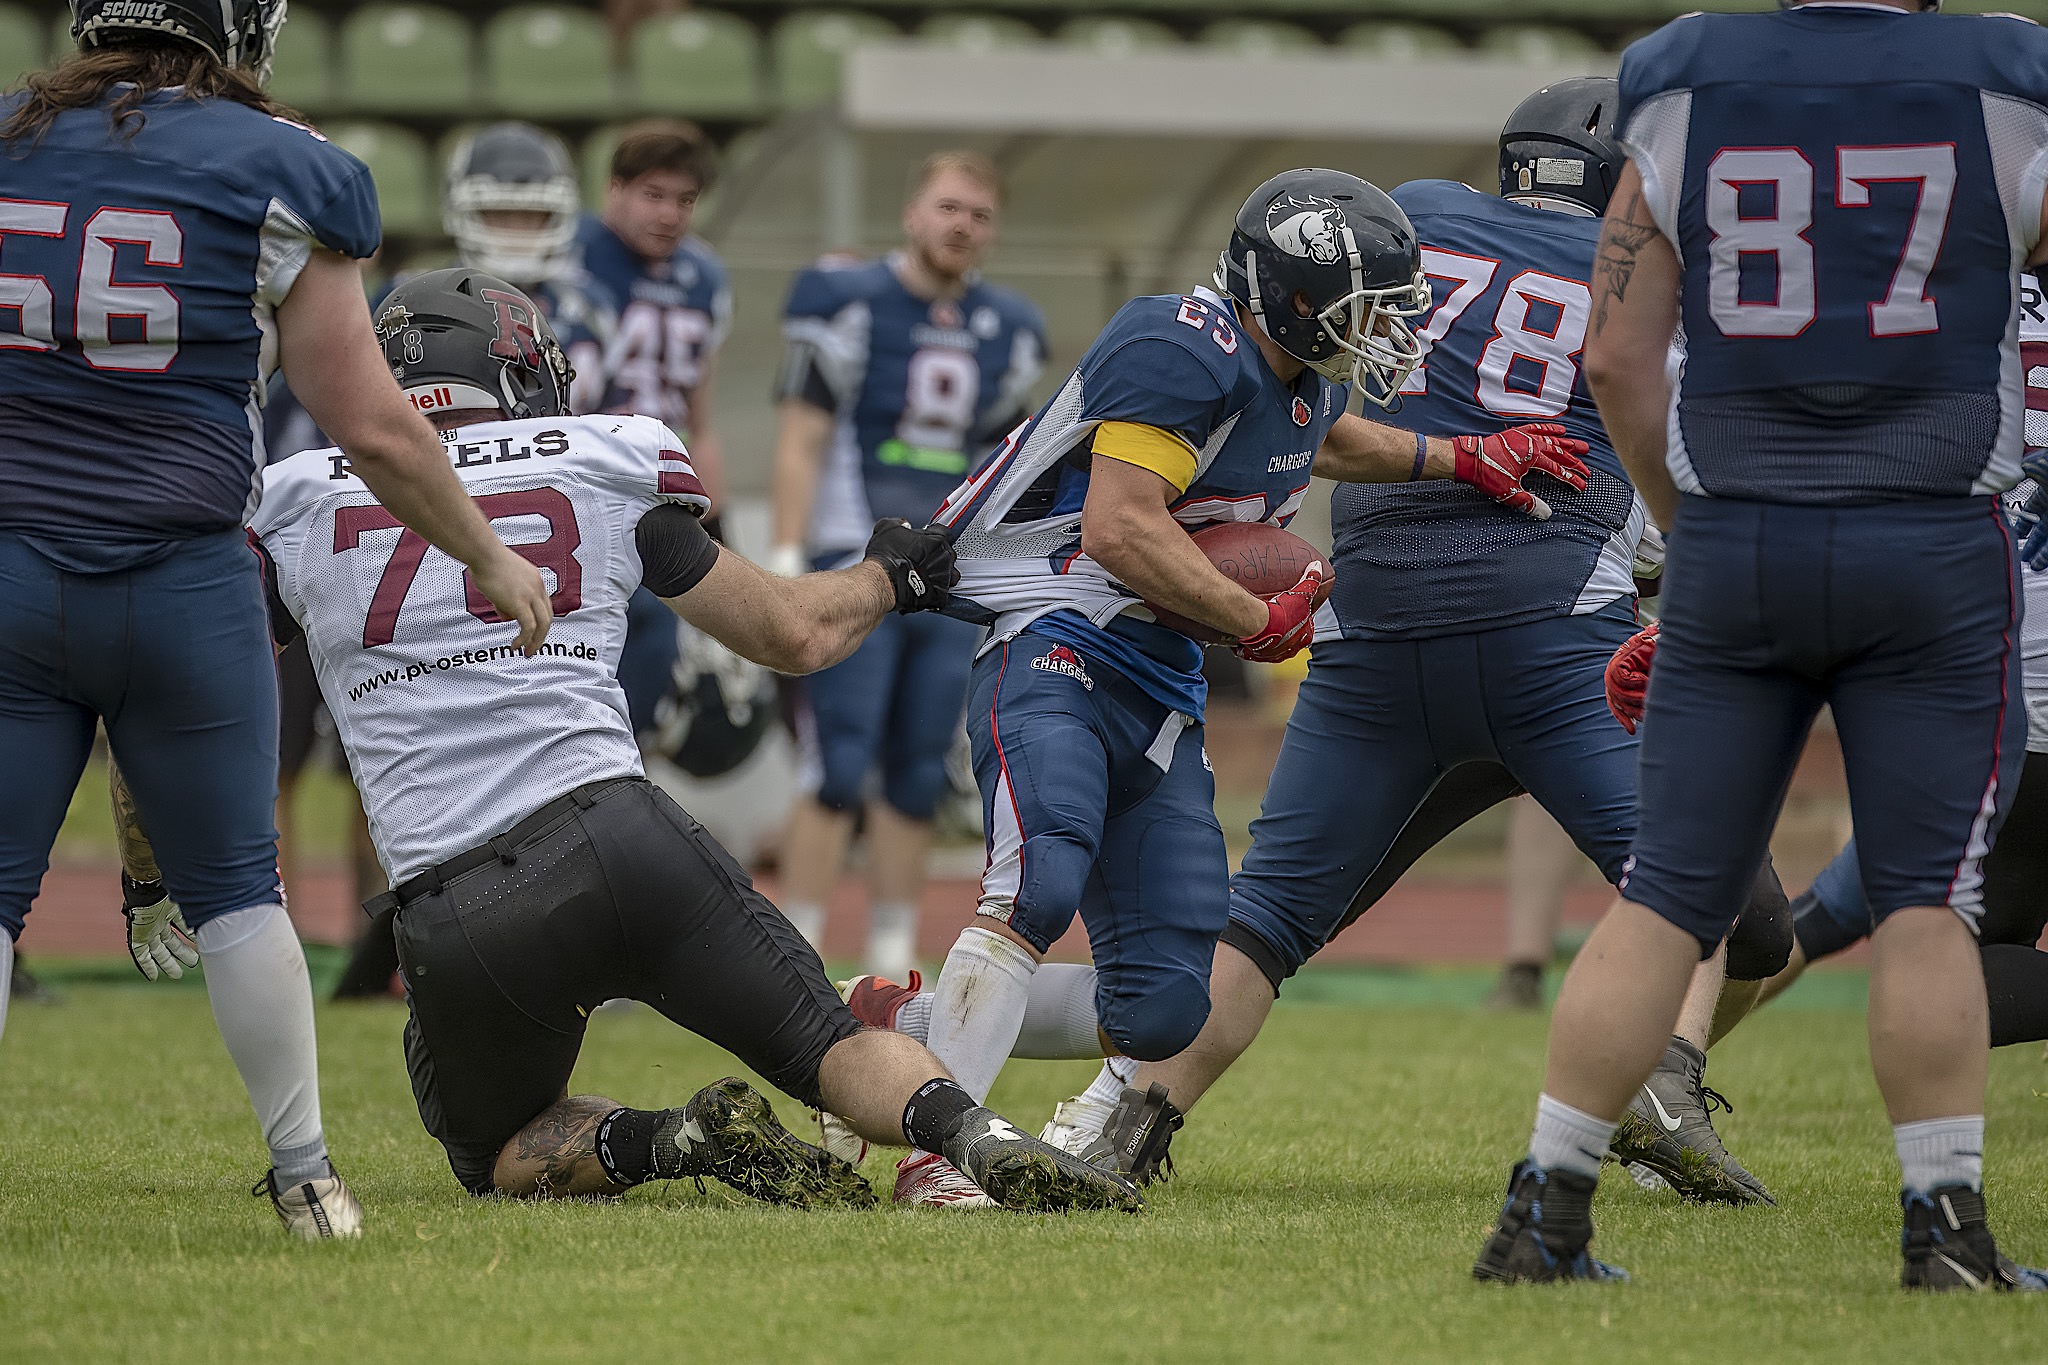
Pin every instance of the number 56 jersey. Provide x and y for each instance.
(453, 736)
(1852, 190)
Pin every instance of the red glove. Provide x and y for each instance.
(1497, 465)
(1628, 677)
(1290, 620)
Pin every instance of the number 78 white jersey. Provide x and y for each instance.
(453, 736)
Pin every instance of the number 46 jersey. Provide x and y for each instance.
(1852, 190)
(453, 736)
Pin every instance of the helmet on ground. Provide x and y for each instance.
(718, 709)
(1330, 269)
(510, 168)
(458, 338)
(1557, 149)
(239, 32)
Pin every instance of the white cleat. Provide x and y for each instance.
(318, 1210)
(922, 1178)
(836, 1136)
(1076, 1126)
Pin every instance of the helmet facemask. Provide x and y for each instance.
(1368, 327)
(519, 254)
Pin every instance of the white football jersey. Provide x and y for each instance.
(2034, 624)
(452, 734)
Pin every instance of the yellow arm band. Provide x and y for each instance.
(1148, 447)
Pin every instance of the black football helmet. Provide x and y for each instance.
(459, 338)
(239, 32)
(718, 710)
(519, 168)
(1330, 268)
(1558, 149)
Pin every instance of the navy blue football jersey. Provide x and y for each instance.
(1852, 191)
(1177, 362)
(920, 388)
(672, 315)
(586, 322)
(1504, 340)
(138, 279)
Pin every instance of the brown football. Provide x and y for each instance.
(1262, 559)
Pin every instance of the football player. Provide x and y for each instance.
(1836, 201)
(536, 872)
(900, 371)
(1086, 711)
(675, 307)
(1463, 658)
(170, 237)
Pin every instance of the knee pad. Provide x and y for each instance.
(1761, 943)
(1159, 1023)
(839, 773)
(913, 788)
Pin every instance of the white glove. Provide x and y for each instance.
(787, 561)
(158, 938)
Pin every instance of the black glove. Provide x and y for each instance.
(919, 563)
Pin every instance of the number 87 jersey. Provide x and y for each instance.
(1851, 190)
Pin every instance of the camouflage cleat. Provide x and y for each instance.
(728, 1132)
(1135, 1140)
(1669, 1132)
(1543, 1231)
(1021, 1172)
(1948, 1245)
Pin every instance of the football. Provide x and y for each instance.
(1263, 559)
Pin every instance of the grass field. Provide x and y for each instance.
(1332, 1194)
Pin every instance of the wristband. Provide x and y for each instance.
(1421, 456)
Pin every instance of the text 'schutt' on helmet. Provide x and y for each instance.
(238, 32)
(459, 338)
(1559, 146)
(1330, 269)
(506, 169)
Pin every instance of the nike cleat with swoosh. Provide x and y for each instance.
(1948, 1245)
(1023, 1173)
(1668, 1130)
(1543, 1231)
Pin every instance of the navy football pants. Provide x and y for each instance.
(1903, 619)
(893, 704)
(175, 656)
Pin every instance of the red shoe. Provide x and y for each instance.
(922, 1178)
(876, 1000)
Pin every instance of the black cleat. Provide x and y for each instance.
(1543, 1231)
(1668, 1130)
(26, 989)
(1019, 1171)
(1135, 1139)
(728, 1132)
(1948, 1245)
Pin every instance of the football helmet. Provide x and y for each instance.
(512, 167)
(1926, 6)
(1330, 268)
(718, 709)
(1557, 150)
(239, 32)
(458, 338)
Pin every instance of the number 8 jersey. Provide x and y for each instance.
(453, 736)
(1852, 190)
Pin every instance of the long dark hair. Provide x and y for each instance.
(148, 64)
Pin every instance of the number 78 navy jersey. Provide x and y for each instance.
(1852, 190)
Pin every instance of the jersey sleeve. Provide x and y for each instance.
(1653, 66)
(1165, 453)
(322, 199)
(721, 302)
(827, 339)
(675, 478)
(1156, 382)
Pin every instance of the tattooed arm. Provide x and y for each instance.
(1635, 315)
(138, 859)
(555, 1156)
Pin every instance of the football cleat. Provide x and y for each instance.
(1948, 1245)
(1140, 1129)
(1021, 1172)
(318, 1210)
(1668, 1130)
(1076, 1126)
(1543, 1231)
(1517, 988)
(836, 1136)
(728, 1132)
(935, 1182)
(876, 1000)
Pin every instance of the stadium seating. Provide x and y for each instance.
(1398, 42)
(594, 163)
(1529, 43)
(21, 43)
(546, 59)
(978, 32)
(302, 68)
(407, 58)
(1107, 37)
(408, 184)
(699, 64)
(807, 48)
(1257, 38)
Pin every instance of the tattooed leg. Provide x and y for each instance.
(555, 1156)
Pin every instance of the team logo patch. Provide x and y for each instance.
(1306, 227)
(1301, 412)
(1060, 659)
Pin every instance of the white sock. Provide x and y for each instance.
(979, 1006)
(1092, 1107)
(809, 919)
(263, 1005)
(1568, 1139)
(1941, 1152)
(6, 976)
(1059, 1019)
(892, 939)
(915, 1017)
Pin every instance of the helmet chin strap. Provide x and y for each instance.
(1251, 284)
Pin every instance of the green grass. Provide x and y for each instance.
(1332, 1194)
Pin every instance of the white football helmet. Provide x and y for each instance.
(512, 168)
